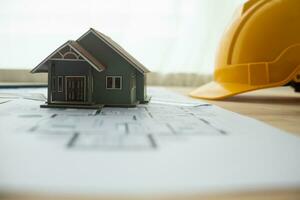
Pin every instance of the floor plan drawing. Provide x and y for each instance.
(113, 128)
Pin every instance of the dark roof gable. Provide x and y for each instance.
(118, 49)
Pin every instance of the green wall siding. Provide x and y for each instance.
(68, 68)
(103, 52)
(115, 66)
(114, 96)
(141, 87)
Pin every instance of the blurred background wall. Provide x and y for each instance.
(173, 38)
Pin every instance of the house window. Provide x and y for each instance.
(118, 82)
(60, 84)
(109, 82)
(114, 82)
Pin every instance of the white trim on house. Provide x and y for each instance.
(60, 84)
(95, 67)
(53, 83)
(71, 53)
(44, 68)
(67, 59)
(114, 82)
(64, 55)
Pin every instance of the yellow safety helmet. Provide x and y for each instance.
(261, 49)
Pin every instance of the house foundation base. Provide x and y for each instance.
(80, 106)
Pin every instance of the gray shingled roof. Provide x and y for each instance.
(42, 67)
(87, 55)
(118, 49)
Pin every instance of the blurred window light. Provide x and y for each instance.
(167, 36)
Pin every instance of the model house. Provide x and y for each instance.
(91, 72)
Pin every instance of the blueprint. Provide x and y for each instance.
(174, 144)
(167, 116)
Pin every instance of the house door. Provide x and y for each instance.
(75, 89)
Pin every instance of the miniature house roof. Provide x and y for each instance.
(72, 50)
(118, 49)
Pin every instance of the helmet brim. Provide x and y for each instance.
(218, 91)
